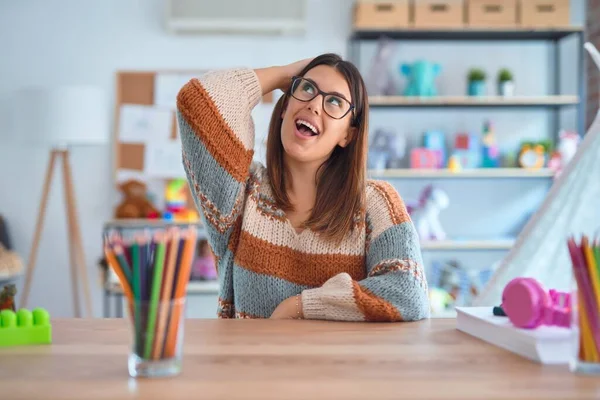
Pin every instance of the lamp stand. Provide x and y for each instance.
(76, 255)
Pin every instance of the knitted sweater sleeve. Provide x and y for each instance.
(217, 136)
(395, 288)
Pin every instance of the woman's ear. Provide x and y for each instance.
(348, 137)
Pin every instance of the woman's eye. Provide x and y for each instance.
(335, 101)
(307, 87)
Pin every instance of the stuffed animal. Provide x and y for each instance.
(135, 202)
(7, 298)
(421, 78)
(567, 147)
(379, 80)
(425, 214)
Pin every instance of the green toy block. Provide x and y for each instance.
(25, 327)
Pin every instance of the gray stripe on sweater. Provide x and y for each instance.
(402, 290)
(259, 294)
(214, 181)
(225, 274)
(399, 241)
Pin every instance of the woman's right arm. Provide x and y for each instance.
(217, 135)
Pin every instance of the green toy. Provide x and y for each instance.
(25, 327)
(421, 78)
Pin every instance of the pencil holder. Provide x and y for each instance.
(157, 338)
(585, 301)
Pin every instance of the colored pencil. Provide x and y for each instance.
(587, 277)
(165, 296)
(155, 294)
(180, 290)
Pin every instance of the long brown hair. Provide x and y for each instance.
(340, 179)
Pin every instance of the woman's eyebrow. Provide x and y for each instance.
(334, 92)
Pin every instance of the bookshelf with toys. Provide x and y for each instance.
(470, 134)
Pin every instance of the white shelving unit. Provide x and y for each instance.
(493, 244)
(487, 173)
(470, 101)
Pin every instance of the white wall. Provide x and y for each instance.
(74, 41)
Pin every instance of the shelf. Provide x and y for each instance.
(497, 244)
(472, 101)
(479, 173)
(146, 223)
(468, 34)
(193, 287)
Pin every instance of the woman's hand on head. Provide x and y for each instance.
(290, 308)
(292, 70)
(279, 77)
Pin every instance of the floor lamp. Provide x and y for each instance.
(60, 119)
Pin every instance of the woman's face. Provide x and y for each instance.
(309, 133)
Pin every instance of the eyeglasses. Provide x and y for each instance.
(334, 105)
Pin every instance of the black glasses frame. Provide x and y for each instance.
(322, 93)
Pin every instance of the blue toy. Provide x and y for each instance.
(490, 157)
(421, 78)
(436, 141)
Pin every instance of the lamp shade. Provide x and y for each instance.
(63, 116)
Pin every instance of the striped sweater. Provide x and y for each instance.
(376, 274)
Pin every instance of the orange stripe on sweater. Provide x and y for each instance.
(294, 266)
(394, 203)
(198, 109)
(374, 308)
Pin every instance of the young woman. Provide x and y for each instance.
(306, 236)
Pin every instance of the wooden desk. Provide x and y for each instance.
(251, 359)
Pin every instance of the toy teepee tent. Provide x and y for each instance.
(572, 207)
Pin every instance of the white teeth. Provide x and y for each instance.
(308, 125)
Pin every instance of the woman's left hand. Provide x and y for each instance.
(290, 308)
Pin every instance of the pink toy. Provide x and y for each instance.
(421, 158)
(528, 305)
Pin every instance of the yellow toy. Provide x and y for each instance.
(176, 200)
(532, 156)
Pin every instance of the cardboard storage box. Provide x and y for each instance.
(381, 14)
(544, 13)
(492, 13)
(439, 14)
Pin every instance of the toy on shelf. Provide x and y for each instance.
(379, 80)
(467, 150)
(135, 203)
(176, 200)
(422, 158)
(421, 78)
(204, 267)
(25, 327)
(425, 214)
(387, 150)
(490, 154)
(461, 283)
(440, 300)
(454, 164)
(436, 142)
(532, 156)
(7, 297)
(566, 149)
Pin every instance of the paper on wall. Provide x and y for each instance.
(144, 124)
(166, 87)
(162, 159)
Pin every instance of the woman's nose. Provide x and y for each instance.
(315, 105)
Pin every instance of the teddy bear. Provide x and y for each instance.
(135, 202)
